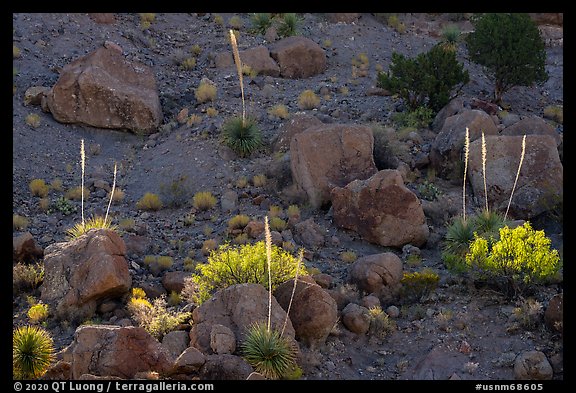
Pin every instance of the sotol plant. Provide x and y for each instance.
(241, 134)
(32, 352)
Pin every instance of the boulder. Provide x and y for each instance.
(236, 307)
(257, 58)
(104, 90)
(81, 273)
(174, 281)
(189, 361)
(313, 311)
(382, 210)
(309, 233)
(298, 57)
(377, 274)
(540, 183)
(554, 314)
(356, 318)
(24, 248)
(114, 351)
(225, 367)
(446, 153)
(532, 365)
(298, 123)
(330, 155)
(222, 339)
(532, 126)
(176, 342)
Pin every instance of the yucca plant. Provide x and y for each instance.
(261, 22)
(288, 25)
(32, 352)
(94, 222)
(269, 353)
(265, 349)
(241, 134)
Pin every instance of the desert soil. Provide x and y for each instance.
(481, 324)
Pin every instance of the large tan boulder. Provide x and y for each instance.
(313, 311)
(80, 274)
(106, 350)
(24, 248)
(446, 154)
(328, 156)
(103, 89)
(236, 307)
(257, 58)
(298, 123)
(540, 183)
(382, 210)
(298, 57)
(378, 274)
(532, 126)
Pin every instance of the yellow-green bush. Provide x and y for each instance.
(230, 265)
(38, 312)
(519, 257)
(154, 317)
(149, 201)
(277, 224)
(417, 286)
(97, 222)
(32, 352)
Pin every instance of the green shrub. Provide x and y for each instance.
(269, 353)
(420, 117)
(427, 80)
(32, 352)
(417, 286)
(154, 317)
(428, 191)
(149, 201)
(260, 22)
(381, 325)
(62, 205)
(277, 224)
(229, 265)
(288, 25)
(450, 37)
(176, 192)
(38, 313)
(519, 257)
(241, 135)
(26, 276)
(511, 48)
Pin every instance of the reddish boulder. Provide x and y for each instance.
(298, 57)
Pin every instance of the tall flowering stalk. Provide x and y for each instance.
(466, 152)
(111, 196)
(239, 71)
(268, 237)
(517, 174)
(484, 169)
(83, 163)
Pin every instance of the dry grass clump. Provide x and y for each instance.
(239, 221)
(204, 200)
(308, 100)
(277, 224)
(33, 120)
(205, 92)
(348, 256)
(149, 201)
(56, 184)
(75, 193)
(209, 246)
(293, 212)
(259, 180)
(38, 187)
(19, 223)
(280, 111)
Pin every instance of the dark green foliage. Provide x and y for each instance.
(269, 353)
(241, 135)
(175, 193)
(288, 25)
(427, 80)
(510, 46)
(261, 21)
(62, 205)
(32, 352)
(420, 117)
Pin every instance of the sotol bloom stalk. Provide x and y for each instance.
(484, 169)
(466, 151)
(239, 71)
(82, 162)
(517, 174)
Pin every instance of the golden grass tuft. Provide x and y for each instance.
(205, 92)
(208, 246)
(259, 180)
(348, 256)
(38, 187)
(149, 201)
(19, 223)
(76, 193)
(239, 221)
(308, 100)
(280, 111)
(204, 200)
